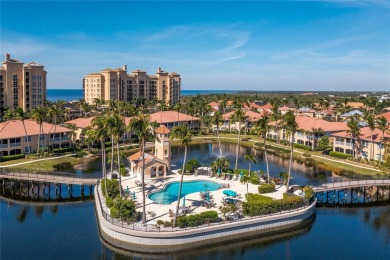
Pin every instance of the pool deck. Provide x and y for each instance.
(161, 212)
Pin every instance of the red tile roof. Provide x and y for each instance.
(365, 134)
(14, 128)
(81, 122)
(170, 117)
(251, 116)
(308, 123)
(385, 115)
(163, 130)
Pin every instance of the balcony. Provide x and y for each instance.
(17, 144)
(3, 145)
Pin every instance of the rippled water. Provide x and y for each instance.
(71, 232)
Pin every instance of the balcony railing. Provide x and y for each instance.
(3, 145)
(15, 144)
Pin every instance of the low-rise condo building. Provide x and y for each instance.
(117, 84)
(310, 130)
(364, 146)
(17, 137)
(21, 85)
(229, 124)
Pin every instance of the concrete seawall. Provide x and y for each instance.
(153, 241)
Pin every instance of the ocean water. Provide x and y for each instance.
(76, 94)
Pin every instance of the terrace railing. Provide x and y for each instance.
(159, 228)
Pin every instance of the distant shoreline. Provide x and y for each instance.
(76, 94)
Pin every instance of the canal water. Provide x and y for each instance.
(69, 231)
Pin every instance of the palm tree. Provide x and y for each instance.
(315, 132)
(291, 126)
(100, 124)
(183, 133)
(84, 106)
(382, 125)
(354, 130)
(38, 114)
(220, 164)
(250, 158)
(216, 120)
(141, 126)
(56, 110)
(74, 128)
(177, 107)
(117, 129)
(261, 128)
(371, 125)
(245, 180)
(21, 115)
(238, 117)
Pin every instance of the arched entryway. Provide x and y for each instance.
(161, 170)
(153, 172)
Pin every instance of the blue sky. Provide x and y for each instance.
(254, 45)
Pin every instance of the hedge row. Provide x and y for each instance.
(302, 146)
(62, 150)
(256, 207)
(11, 157)
(197, 219)
(266, 188)
(340, 155)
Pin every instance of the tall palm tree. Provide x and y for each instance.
(217, 120)
(245, 180)
(183, 133)
(238, 117)
(21, 115)
(177, 107)
(117, 128)
(315, 132)
(55, 111)
(291, 127)
(84, 106)
(100, 125)
(371, 125)
(261, 128)
(251, 159)
(38, 114)
(142, 127)
(382, 125)
(354, 130)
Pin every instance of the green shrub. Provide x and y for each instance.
(229, 171)
(266, 188)
(255, 180)
(257, 204)
(197, 219)
(192, 165)
(63, 166)
(123, 171)
(302, 146)
(168, 224)
(62, 150)
(112, 188)
(238, 171)
(81, 154)
(340, 155)
(160, 222)
(308, 192)
(11, 157)
(109, 202)
(123, 209)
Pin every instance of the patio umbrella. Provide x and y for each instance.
(127, 190)
(134, 195)
(219, 172)
(230, 193)
(184, 201)
(207, 196)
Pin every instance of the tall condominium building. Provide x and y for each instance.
(21, 85)
(116, 84)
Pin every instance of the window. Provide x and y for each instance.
(166, 152)
(27, 138)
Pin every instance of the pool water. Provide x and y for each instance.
(170, 191)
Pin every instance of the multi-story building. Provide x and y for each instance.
(365, 147)
(21, 85)
(18, 137)
(116, 84)
(310, 130)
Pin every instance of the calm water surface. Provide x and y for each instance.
(70, 231)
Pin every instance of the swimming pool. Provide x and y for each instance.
(169, 193)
